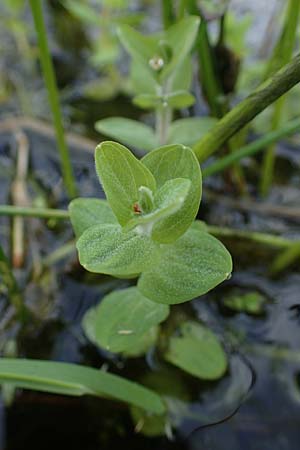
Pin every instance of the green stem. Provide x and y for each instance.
(208, 75)
(14, 294)
(252, 148)
(163, 116)
(42, 213)
(53, 96)
(181, 9)
(163, 120)
(262, 238)
(281, 55)
(167, 13)
(246, 110)
(254, 236)
(60, 253)
(285, 259)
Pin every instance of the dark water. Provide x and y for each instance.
(255, 406)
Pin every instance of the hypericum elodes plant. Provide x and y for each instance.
(147, 226)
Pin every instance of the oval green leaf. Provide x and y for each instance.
(180, 37)
(121, 174)
(192, 266)
(88, 212)
(129, 132)
(188, 131)
(167, 200)
(167, 163)
(122, 318)
(197, 351)
(106, 249)
(180, 99)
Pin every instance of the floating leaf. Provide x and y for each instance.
(197, 351)
(106, 249)
(122, 318)
(87, 212)
(190, 267)
(166, 163)
(130, 132)
(190, 130)
(121, 174)
(250, 303)
(72, 379)
(141, 346)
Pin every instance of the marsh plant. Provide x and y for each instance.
(146, 231)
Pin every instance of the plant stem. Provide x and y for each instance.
(53, 96)
(263, 238)
(281, 55)
(167, 13)
(42, 213)
(285, 259)
(60, 253)
(246, 110)
(9, 281)
(208, 75)
(252, 148)
(163, 116)
(163, 119)
(260, 238)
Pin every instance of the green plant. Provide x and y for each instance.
(160, 78)
(101, 19)
(50, 81)
(146, 227)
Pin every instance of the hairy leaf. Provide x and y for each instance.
(190, 130)
(106, 249)
(87, 212)
(181, 38)
(130, 132)
(180, 99)
(190, 267)
(167, 200)
(166, 163)
(140, 47)
(121, 174)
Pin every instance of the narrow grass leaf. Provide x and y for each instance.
(72, 379)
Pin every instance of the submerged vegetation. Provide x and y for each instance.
(141, 249)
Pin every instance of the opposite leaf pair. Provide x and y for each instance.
(145, 227)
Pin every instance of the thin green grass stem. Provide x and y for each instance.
(246, 110)
(14, 294)
(252, 148)
(50, 81)
(282, 54)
